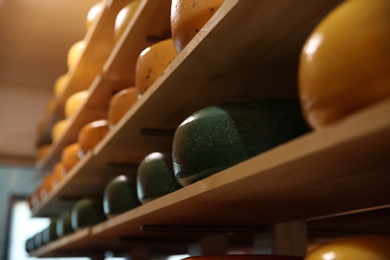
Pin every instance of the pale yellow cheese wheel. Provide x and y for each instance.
(75, 52)
(70, 156)
(120, 103)
(188, 17)
(93, 13)
(73, 103)
(58, 129)
(152, 62)
(91, 134)
(124, 17)
(60, 85)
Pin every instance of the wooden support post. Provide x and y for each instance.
(288, 238)
(210, 245)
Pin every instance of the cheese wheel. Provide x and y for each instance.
(38, 193)
(188, 17)
(58, 173)
(124, 17)
(87, 212)
(42, 151)
(120, 103)
(155, 177)
(75, 52)
(59, 129)
(120, 195)
(344, 64)
(91, 134)
(64, 224)
(70, 156)
(94, 12)
(50, 233)
(48, 183)
(74, 102)
(356, 248)
(60, 85)
(152, 62)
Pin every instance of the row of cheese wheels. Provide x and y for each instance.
(150, 64)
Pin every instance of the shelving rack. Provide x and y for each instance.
(245, 51)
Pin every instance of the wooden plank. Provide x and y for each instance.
(341, 168)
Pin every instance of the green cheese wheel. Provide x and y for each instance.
(38, 240)
(29, 245)
(64, 224)
(87, 212)
(217, 137)
(155, 177)
(50, 233)
(120, 195)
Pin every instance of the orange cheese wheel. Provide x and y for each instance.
(120, 103)
(38, 193)
(356, 248)
(75, 52)
(94, 12)
(124, 17)
(58, 173)
(59, 129)
(70, 156)
(48, 183)
(74, 102)
(344, 64)
(152, 62)
(91, 134)
(60, 85)
(188, 17)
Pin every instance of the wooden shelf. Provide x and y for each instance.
(150, 23)
(341, 168)
(142, 130)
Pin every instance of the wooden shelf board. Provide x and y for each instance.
(341, 168)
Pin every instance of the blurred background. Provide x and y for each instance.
(35, 37)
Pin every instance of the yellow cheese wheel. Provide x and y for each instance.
(75, 52)
(356, 248)
(152, 62)
(93, 14)
(59, 129)
(48, 183)
(345, 62)
(60, 84)
(124, 17)
(74, 102)
(91, 134)
(70, 156)
(120, 103)
(188, 17)
(58, 173)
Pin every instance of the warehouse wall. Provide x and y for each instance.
(13, 180)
